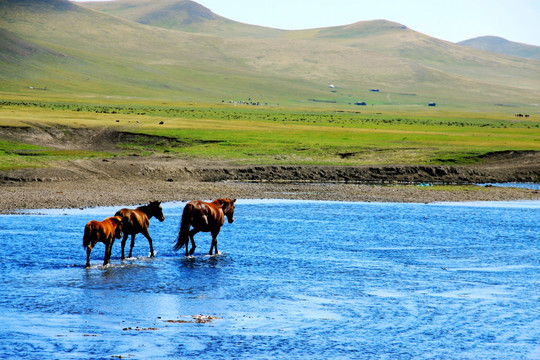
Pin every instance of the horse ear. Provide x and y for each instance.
(234, 200)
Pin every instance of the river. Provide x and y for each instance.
(295, 279)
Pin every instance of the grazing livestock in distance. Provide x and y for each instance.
(206, 217)
(102, 231)
(137, 221)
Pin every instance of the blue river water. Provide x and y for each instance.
(294, 280)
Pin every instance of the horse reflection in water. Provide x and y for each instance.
(102, 231)
(206, 217)
(137, 221)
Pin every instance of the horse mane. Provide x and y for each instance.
(143, 208)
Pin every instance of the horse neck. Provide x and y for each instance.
(220, 204)
(146, 210)
(217, 202)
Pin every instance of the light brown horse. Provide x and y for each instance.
(206, 217)
(102, 231)
(137, 221)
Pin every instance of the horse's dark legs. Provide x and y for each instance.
(108, 249)
(214, 243)
(132, 245)
(88, 251)
(124, 239)
(193, 246)
(147, 235)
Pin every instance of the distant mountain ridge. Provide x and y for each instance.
(178, 49)
(502, 46)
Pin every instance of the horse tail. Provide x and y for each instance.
(183, 233)
(87, 237)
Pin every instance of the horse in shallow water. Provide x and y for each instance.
(137, 221)
(206, 217)
(102, 231)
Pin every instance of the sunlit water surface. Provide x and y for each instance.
(294, 280)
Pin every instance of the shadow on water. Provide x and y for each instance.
(206, 261)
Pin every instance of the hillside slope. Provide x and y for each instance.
(183, 15)
(87, 52)
(502, 46)
(72, 50)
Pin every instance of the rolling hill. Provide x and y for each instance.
(502, 46)
(183, 15)
(178, 50)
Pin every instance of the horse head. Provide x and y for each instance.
(156, 210)
(228, 209)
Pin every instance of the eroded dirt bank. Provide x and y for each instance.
(135, 180)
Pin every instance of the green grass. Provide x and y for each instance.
(250, 135)
(18, 155)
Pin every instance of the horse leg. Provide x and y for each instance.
(88, 251)
(147, 235)
(214, 243)
(193, 246)
(108, 248)
(132, 245)
(124, 239)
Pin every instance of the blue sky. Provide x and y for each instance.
(451, 20)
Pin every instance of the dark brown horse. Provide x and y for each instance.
(206, 217)
(137, 221)
(102, 231)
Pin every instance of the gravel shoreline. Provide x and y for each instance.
(16, 197)
(129, 181)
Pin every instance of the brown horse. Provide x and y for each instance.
(137, 221)
(206, 217)
(102, 231)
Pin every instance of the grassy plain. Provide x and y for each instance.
(246, 134)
